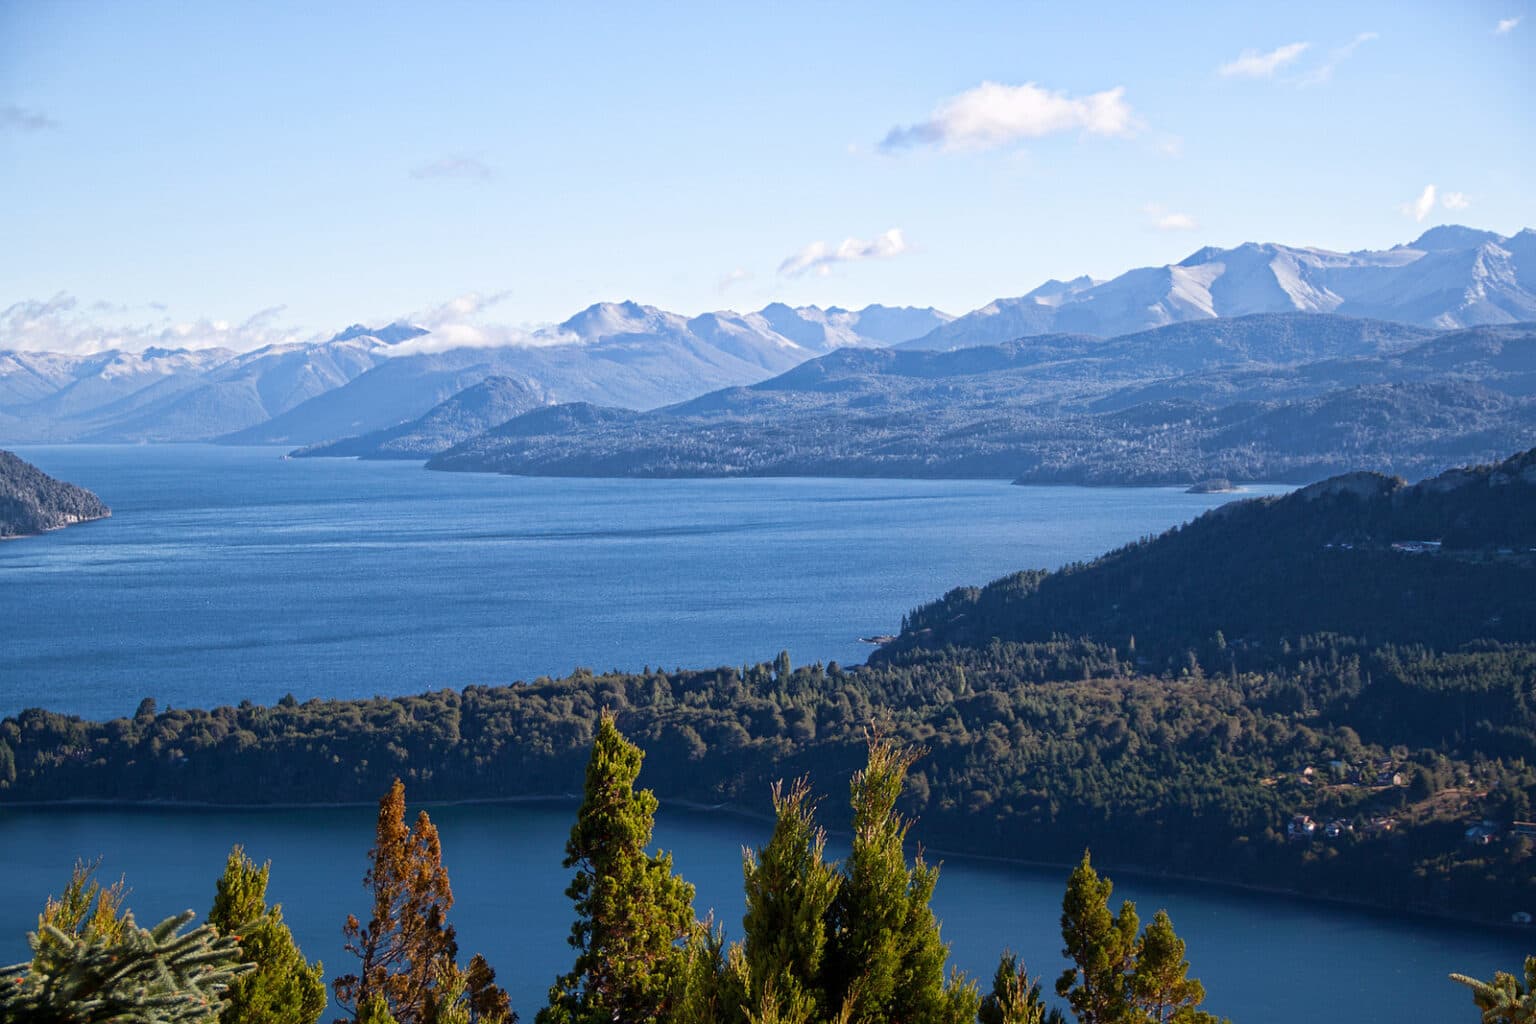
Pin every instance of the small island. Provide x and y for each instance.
(1215, 485)
(32, 502)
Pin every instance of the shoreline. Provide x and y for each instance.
(697, 807)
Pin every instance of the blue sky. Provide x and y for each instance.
(315, 165)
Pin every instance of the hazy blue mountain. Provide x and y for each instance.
(31, 501)
(467, 414)
(1264, 397)
(1450, 276)
(610, 354)
(365, 379)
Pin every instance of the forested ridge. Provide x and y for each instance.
(1260, 727)
(31, 501)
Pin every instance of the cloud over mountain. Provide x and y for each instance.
(819, 257)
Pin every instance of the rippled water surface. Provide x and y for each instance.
(231, 574)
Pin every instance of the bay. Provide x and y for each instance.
(229, 574)
(1264, 959)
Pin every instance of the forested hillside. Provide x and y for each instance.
(1265, 397)
(1443, 562)
(1273, 695)
(31, 501)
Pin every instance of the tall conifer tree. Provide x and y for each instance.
(790, 891)
(284, 988)
(408, 947)
(632, 913)
(1101, 946)
(889, 958)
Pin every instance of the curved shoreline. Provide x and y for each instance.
(697, 807)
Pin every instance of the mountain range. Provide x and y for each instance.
(1448, 277)
(365, 380)
(1272, 396)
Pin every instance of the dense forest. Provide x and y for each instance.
(851, 942)
(31, 501)
(1332, 692)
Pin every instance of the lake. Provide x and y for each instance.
(229, 574)
(1263, 959)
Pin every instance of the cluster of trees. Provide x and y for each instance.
(1045, 747)
(856, 943)
(853, 943)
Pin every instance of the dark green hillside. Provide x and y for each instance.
(1185, 705)
(31, 501)
(1320, 560)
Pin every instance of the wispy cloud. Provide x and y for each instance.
(993, 114)
(468, 168)
(1420, 208)
(1253, 64)
(64, 324)
(1165, 219)
(1506, 25)
(1324, 71)
(21, 119)
(1455, 201)
(819, 257)
(735, 277)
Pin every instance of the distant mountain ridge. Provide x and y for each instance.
(31, 501)
(626, 354)
(1449, 277)
(467, 414)
(366, 379)
(1264, 397)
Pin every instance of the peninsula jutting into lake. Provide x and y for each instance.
(31, 501)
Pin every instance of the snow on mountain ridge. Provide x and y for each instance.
(1450, 276)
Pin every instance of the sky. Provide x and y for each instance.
(239, 173)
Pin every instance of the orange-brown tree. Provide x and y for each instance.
(408, 950)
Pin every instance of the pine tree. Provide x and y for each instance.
(157, 975)
(1160, 987)
(86, 909)
(1505, 1000)
(1015, 997)
(284, 988)
(632, 913)
(1101, 945)
(888, 958)
(407, 947)
(790, 891)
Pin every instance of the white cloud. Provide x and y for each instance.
(1253, 64)
(465, 167)
(992, 115)
(1420, 208)
(64, 324)
(735, 277)
(1507, 25)
(1324, 71)
(820, 257)
(1165, 219)
(1455, 201)
(20, 119)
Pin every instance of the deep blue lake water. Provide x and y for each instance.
(228, 574)
(1264, 960)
